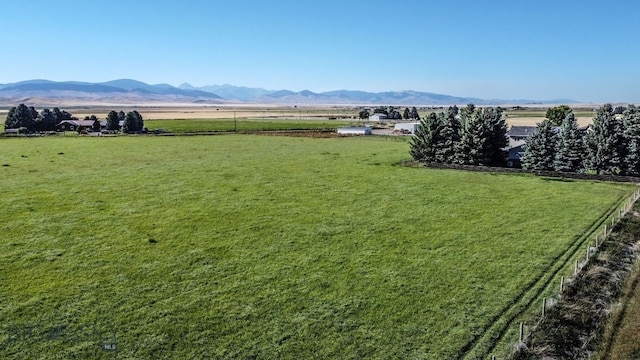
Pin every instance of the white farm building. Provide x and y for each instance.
(378, 117)
(406, 128)
(354, 130)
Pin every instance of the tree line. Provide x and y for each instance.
(28, 118)
(467, 136)
(478, 136)
(392, 113)
(610, 146)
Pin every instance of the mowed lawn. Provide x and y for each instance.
(241, 246)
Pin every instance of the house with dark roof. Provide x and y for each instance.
(520, 132)
(517, 139)
(78, 125)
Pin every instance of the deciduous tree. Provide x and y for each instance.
(556, 114)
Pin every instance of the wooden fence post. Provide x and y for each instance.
(521, 331)
(575, 270)
(544, 306)
(562, 284)
(587, 258)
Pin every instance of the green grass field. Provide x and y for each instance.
(199, 125)
(241, 246)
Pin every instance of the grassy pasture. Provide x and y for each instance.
(189, 125)
(246, 246)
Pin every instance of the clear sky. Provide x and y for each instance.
(587, 50)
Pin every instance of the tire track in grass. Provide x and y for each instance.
(482, 344)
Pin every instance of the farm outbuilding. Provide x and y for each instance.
(406, 128)
(355, 130)
(378, 117)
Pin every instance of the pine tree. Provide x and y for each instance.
(497, 140)
(605, 145)
(540, 148)
(468, 149)
(631, 124)
(113, 121)
(406, 114)
(423, 143)
(483, 137)
(414, 114)
(448, 136)
(570, 150)
(10, 122)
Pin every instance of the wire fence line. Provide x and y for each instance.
(594, 245)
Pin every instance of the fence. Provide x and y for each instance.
(558, 174)
(591, 251)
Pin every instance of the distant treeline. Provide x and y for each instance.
(27, 118)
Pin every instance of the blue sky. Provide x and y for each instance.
(583, 50)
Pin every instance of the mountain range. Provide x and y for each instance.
(133, 91)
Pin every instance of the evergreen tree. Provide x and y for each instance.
(605, 145)
(631, 124)
(423, 142)
(448, 136)
(406, 114)
(113, 121)
(570, 150)
(497, 140)
(483, 137)
(472, 137)
(138, 120)
(48, 120)
(129, 124)
(540, 148)
(10, 121)
(414, 114)
(132, 122)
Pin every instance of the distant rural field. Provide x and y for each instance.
(337, 116)
(200, 125)
(242, 246)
